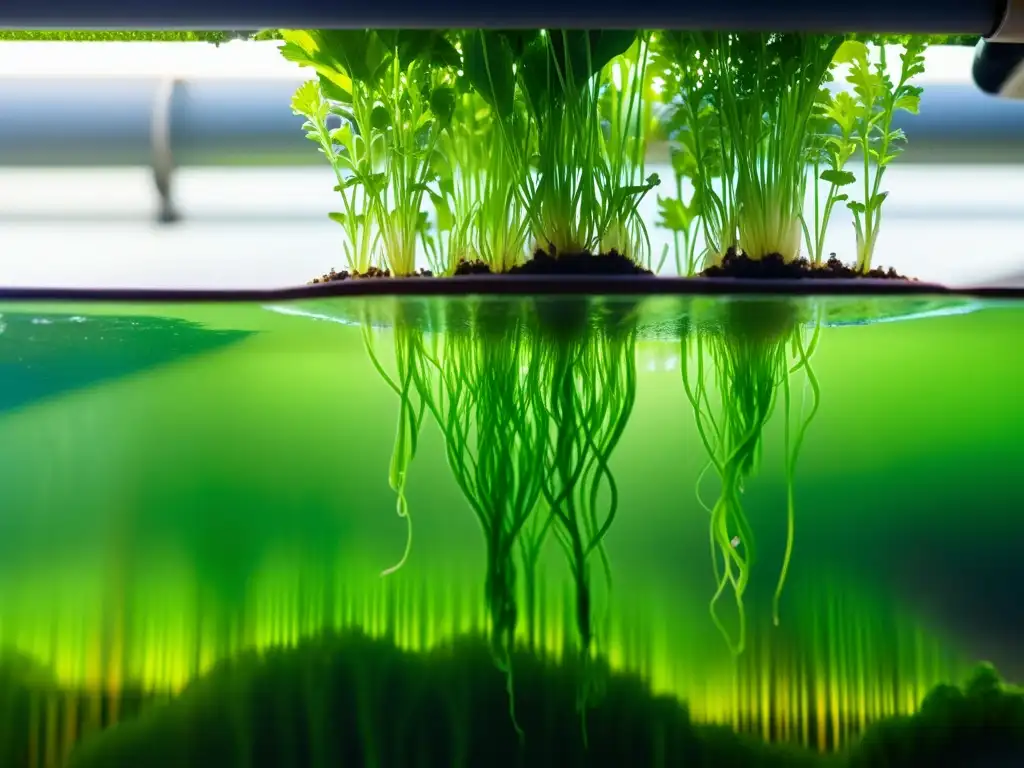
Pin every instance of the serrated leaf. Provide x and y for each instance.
(684, 164)
(838, 177)
(908, 102)
(856, 207)
(673, 215)
(843, 110)
(306, 100)
(849, 51)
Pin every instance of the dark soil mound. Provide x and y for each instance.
(370, 274)
(352, 701)
(611, 263)
(978, 726)
(34, 711)
(772, 267)
(544, 263)
(466, 268)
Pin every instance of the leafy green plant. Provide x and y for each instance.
(878, 99)
(392, 91)
(350, 158)
(678, 215)
(833, 145)
(491, 203)
(545, 91)
(460, 164)
(626, 103)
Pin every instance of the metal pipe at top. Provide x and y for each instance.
(981, 17)
(105, 122)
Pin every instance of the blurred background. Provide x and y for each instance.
(181, 165)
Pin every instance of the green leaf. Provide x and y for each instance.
(296, 53)
(849, 51)
(684, 164)
(856, 207)
(350, 182)
(838, 177)
(673, 215)
(868, 84)
(840, 198)
(375, 183)
(843, 111)
(338, 217)
(489, 66)
(876, 200)
(334, 90)
(581, 54)
(442, 104)
(445, 219)
(908, 100)
(431, 46)
(307, 100)
(361, 52)
(380, 119)
(343, 135)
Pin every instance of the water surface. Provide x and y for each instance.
(184, 482)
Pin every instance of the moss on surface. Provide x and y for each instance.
(355, 701)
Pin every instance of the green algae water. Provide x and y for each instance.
(560, 526)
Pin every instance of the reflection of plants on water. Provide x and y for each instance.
(752, 354)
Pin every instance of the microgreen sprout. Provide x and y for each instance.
(751, 97)
(878, 99)
(391, 90)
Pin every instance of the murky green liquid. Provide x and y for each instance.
(181, 483)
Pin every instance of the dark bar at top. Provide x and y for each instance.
(893, 16)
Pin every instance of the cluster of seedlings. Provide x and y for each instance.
(485, 150)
